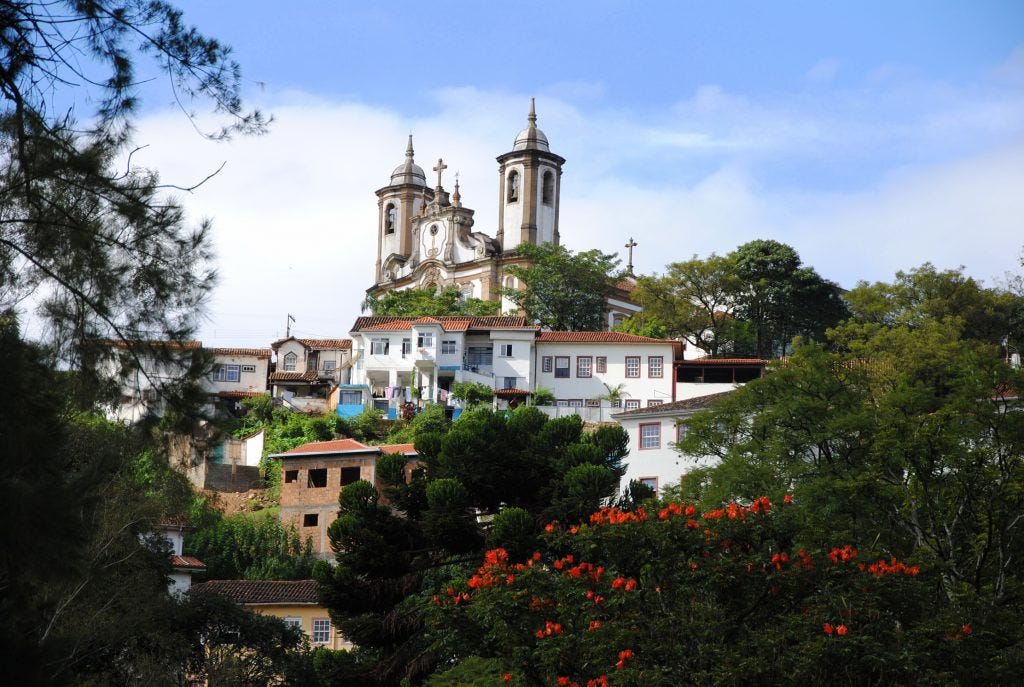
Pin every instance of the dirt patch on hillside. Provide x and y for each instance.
(230, 502)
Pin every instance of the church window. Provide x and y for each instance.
(548, 193)
(289, 362)
(390, 220)
(513, 187)
(433, 230)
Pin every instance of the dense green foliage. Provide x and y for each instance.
(472, 393)
(562, 290)
(251, 546)
(517, 469)
(752, 301)
(420, 302)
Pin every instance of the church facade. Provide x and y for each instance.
(427, 237)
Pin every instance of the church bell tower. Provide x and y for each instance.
(529, 189)
(398, 203)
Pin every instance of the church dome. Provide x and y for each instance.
(409, 172)
(531, 138)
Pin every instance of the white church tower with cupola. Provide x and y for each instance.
(426, 237)
(530, 184)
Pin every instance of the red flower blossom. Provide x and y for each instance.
(828, 629)
(966, 629)
(507, 677)
(841, 630)
(563, 681)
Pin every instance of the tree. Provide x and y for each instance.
(93, 238)
(743, 593)
(472, 393)
(513, 471)
(696, 300)
(421, 302)
(562, 290)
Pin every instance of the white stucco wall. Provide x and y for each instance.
(643, 388)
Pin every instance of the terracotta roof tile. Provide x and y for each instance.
(398, 448)
(309, 376)
(598, 337)
(337, 445)
(188, 562)
(262, 591)
(239, 394)
(317, 344)
(254, 352)
(697, 403)
(171, 345)
(450, 323)
(505, 393)
(704, 362)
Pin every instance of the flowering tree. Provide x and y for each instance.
(743, 593)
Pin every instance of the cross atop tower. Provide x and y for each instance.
(629, 265)
(441, 166)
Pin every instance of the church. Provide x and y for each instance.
(426, 237)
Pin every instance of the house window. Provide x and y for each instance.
(406, 347)
(593, 403)
(295, 623)
(654, 366)
(562, 403)
(654, 402)
(505, 350)
(289, 362)
(350, 475)
(548, 192)
(680, 431)
(650, 436)
(547, 363)
(317, 478)
(601, 363)
(632, 366)
(330, 366)
(291, 476)
(562, 366)
(616, 403)
(513, 186)
(321, 630)
(351, 398)
(379, 346)
(310, 520)
(226, 373)
(583, 365)
(248, 368)
(632, 403)
(448, 347)
(390, 219)
(575, 402)
(425, 341)
(651, 482)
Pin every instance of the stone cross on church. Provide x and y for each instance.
(441, 166)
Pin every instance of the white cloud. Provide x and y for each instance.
(295, 214)
(824, 71)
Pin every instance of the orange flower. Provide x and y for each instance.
(841, 630)
(967, 629)
(563, 681)
(507, 677)
(828, 629)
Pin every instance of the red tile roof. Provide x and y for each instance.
(514, 393)
(253, 352)
(335, 446)
(704, 362)
(598, 337)
(317, 344)
(697, 403)
(172, 345)
(262, 591)
(309, 376)
(239, 394)
(450, 323)
(187, 562)
(398, 448)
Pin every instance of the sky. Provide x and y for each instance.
(870, 136)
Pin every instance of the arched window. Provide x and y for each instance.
(548, 195)
(390, 218)
(289, 362)
(513, 186)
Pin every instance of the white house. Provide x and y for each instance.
(307, 370)
(653, 433)
(398, 360)
(595, 370)
(183, 567)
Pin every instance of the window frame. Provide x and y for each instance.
(449, 347)
(341, 475)
(306, 517)
(643, 439)
(425, 340)
(291, 361)
(661, 366)
(513, 191)
(547, 364)
(291, 476)
(310, 478)
(601, 364)
(406, 347)
(584, 366)
(317, 627)
(505, 350)
(634, 359)
(654, 402)
(645, 480)
(380, 346)
(222, 372)
(631, 404)
(567, 368)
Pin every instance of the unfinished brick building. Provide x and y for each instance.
(313, 476)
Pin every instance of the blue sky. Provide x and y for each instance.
(870, 136)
